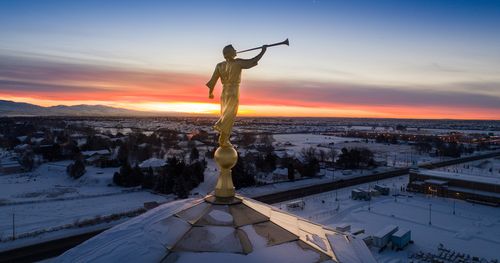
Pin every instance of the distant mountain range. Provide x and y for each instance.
(11, 108)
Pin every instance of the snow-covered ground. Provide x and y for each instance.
(210, 179)
(50, 181)
(395, 155)
(303, 140)
(48, 198)
(473, 229)
(487, 167)
(44, 216)
(283, 186)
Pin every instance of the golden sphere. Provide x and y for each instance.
(226, 157)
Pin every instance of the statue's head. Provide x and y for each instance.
(229, 52)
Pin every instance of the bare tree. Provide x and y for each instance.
(322, 155)
(332, 154)
(309, 153)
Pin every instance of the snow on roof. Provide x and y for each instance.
(343, 227)
(37, 140)
(434, 181)
(90, 153)
(76, 135)
(22, 146)
(350, 249)
(10, 165)
(141, 239)
(280, 171)
(102, 136)
(22, 138)
(385, 231)
(242, 230)
(401, 232)
(463, 177)
(153, 163)
(93, 158)
(473, 191)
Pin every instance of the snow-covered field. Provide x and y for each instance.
(48, 198)
(46, 215)
(50, 181)
(473, 229)
(487, 167)
(302, 140)
(395, 155)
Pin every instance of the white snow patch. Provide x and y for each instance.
(221, 216)
(141, 239)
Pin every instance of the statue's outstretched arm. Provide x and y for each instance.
(259, 56)
(250, 63)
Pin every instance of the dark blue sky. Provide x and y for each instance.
(419, 45)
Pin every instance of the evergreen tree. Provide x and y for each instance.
(355, 158)
(123, 153)
(194, 155)
(163, 182)
(310, 165)
(136, 177)
(123, 178)
(242, 175)
(27, 161)
(148, 179)
(76, 169)
(180, 187)
(291, 172)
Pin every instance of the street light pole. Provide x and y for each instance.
(453, 206)
(430, 222)
(13, 226)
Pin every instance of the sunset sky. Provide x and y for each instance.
(395, 59)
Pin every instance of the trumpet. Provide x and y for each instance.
(285, 42)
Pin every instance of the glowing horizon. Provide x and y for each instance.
(212, 109)
(412, 59)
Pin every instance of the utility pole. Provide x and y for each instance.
(430, 222)
(13, 226)
(453, 206)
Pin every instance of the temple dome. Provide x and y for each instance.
(236, 229)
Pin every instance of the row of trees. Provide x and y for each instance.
(177, 177)
(355, 158)
(307, 164)
(439, 148)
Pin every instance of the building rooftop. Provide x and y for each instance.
(385, 231)
(463, 177)
(153, 163)
(436, 182)
(239, 230)
(401, 232)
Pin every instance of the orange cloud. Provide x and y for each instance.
(50, 83)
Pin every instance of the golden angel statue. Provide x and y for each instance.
(229, 71)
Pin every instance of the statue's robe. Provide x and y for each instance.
(229, 73)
